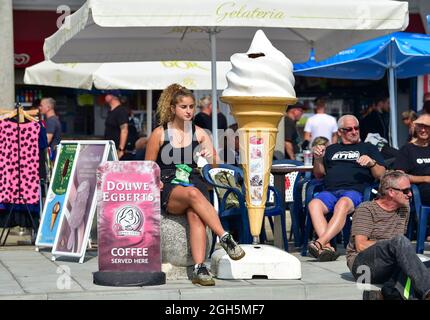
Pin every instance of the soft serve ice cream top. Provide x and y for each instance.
(263, 71)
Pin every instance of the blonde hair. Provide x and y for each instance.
(205, 101)
(410, 114)
(320, 141)
(170, 97)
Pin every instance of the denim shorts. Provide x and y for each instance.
(330, 198)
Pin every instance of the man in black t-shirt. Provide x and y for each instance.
(377, 121)
(116, 124)
(204, 118)
(347, 168)
(291, 136)
(414, 158)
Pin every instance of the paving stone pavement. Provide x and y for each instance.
(31, 275)
(27, 274)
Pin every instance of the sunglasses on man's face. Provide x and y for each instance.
(349, 129)
(420, 126)
(405, 191)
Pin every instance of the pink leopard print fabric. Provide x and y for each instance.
(29, 162)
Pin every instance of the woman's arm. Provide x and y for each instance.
(206, 146)
(153, 145)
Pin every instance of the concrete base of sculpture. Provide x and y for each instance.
(175, 240)
(259, 261)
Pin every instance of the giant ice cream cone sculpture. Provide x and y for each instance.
(260, 87)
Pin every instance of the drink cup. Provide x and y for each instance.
(307, 157)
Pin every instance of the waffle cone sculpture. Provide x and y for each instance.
(260, 87)
(258, 119)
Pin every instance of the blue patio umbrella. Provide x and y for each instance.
(403, 54)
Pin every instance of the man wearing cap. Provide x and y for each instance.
(116, 124)
(414, 158)
(291, 137)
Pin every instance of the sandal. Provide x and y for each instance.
(315, 248)
(328, 254)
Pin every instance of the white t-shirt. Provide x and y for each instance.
(321, 124)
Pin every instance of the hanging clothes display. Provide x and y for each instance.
(19, 173)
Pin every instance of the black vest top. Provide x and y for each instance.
(173, 156)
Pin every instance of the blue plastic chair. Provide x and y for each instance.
(240, 213)
(235, 215)
(422, 213)
(314, 186)
(296, 207)
(274, 209)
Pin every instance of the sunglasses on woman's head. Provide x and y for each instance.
(349, 129)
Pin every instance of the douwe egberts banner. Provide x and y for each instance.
(128, 195)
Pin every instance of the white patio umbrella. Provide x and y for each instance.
(67, 75)
(154, 30)
(195, 75)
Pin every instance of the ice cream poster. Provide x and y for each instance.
(256, 169)
(128, 209)
(56, 195)
(79, 207)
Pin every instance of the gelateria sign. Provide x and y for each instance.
(231, 10)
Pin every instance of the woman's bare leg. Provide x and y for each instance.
(183, 198)
(197, 237)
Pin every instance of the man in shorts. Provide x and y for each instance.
(347, 169)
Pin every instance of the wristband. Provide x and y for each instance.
(374, 164)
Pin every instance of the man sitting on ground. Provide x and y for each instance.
(378, 248)
(347, 168)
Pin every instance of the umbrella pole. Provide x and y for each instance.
(148, 113)
(393, 108)
(393, 101)
(212, 34)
